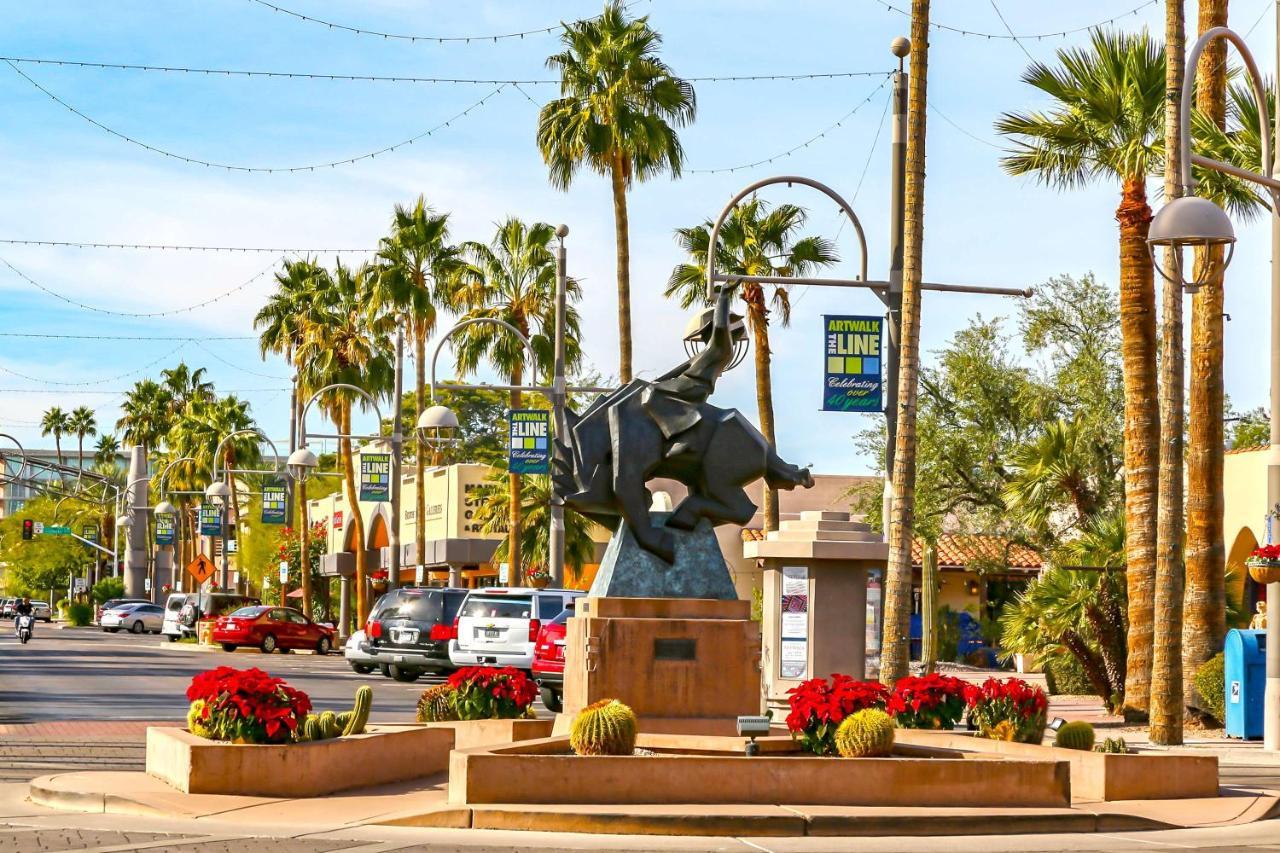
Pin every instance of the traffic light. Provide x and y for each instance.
(28, 528)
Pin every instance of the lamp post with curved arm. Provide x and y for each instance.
(220, 491)
(1193, 222)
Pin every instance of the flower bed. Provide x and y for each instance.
(245, 706)
(818, 708)
(1009, 709)
(479, 693)
(927, 702)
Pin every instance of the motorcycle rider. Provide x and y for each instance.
(23, 609)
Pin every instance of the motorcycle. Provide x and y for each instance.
(24, 627)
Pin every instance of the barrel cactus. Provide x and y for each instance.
(359, 715)
(1075, 735)
(607, 727)
(864, 734)
(437, 704)
(1113, 746)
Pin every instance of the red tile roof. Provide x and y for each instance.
(1246, 449)
(957, 550)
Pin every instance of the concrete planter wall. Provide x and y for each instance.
(531, 773)
(381, 755)
(1096, 775)
(472, 733)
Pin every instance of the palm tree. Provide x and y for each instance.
(341, 344)
(495, 511)
(894, 646)
(282, 321)
(107, 449)
(618, 109)
(185, 385)
(754, 241)
(1106, 123)
(513, 279)
(81, 422)
(414, 263)
(145, 414)
(1053, 482)
(57, 424)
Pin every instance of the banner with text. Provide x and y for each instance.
(210, 520)
(530, 449)
(852, 381)
(274, 502)
(375, 477)
(165, 528)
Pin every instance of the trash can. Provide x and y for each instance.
(1245, 673)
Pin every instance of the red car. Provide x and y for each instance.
(548, 661)
(271, 628)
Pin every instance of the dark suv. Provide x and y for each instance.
(409, 630)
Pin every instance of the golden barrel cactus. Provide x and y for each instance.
(607, 727)
(865, 734)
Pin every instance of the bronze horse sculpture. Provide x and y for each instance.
(665, 428)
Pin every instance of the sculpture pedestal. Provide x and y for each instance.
(687, 665)
(699, 570)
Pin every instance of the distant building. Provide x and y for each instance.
(14, 495)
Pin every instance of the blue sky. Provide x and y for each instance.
(64, 179)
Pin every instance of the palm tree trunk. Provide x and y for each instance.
(357, 518)
(515, 575)
(420, 456)
(621, 235)
(1166, 657)
(80, 450)
(234, 521)
(1204, 601)
(57, 443)
(764, 394)
(895, 651)
(1141, 437)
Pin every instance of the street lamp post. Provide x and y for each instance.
(219, 492)
(1192, 222)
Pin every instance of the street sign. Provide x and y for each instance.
(375, 477)
(80, 584)
(274, 502)
(56, 529)
(284, 571)
(165, 526)
(852, 380)
(146, 584)
(210, 520)
(201, 568)
(530, 445)
(90, 532)
(38, 527)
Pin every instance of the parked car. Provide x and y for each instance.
(116, 602)
(136, 617)
(548, 661)
(209, 606)
(360, 660)
(409, 630)
(499, 626)
(7, 606)
(42, 611)
(172, 627)
(271, 628)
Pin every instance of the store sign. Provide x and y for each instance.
(375, 477)
(210, 520)
(794, 627)
(274, 503)
(530, 447)
(852, 381)
(165, 524)
(337, 520)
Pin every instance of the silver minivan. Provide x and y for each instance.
(498, 626)
(172, 627)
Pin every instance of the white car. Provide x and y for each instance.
(136, 618)
(362, 662)
(172, 625)
(499, 626)
(40, 610)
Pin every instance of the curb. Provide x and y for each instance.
(243, 650)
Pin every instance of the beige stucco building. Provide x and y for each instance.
(1244, 493)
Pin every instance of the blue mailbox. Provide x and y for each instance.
(1245, 673)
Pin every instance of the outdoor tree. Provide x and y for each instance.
(47, 561)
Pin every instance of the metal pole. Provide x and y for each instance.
(1271, 720)
(397, 457)
(556, 541)
(893, 296)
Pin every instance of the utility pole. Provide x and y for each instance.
(892, 297)
(558, 401)
(397, 455)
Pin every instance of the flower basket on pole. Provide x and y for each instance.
(1264, 564)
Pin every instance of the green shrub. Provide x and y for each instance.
(865, 734)
(106, 589)
(79, 614)
(1075, 735)
(1065, 676)
(1210, 681)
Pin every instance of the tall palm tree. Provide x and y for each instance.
(107, 449)
(895, 651)
(1105, 123)
(185, 385)
(617, 114)
(145, 414)
(81, 422)
(341, 344)
(414, 262)
(754, 241)
(513, 279)
(282, 321)
(56, 423)
(535, 534)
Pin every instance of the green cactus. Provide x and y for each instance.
(436, 705)
(865, 734)
(607, 727)
(195, 720)
(1075, 735)
(359, 715)
(328, 725)
(1113, 746)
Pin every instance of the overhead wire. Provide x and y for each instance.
(54, 336)
(235, 366)
(275, 250)
(1015, 36)
(230, 167)
(79, 383)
